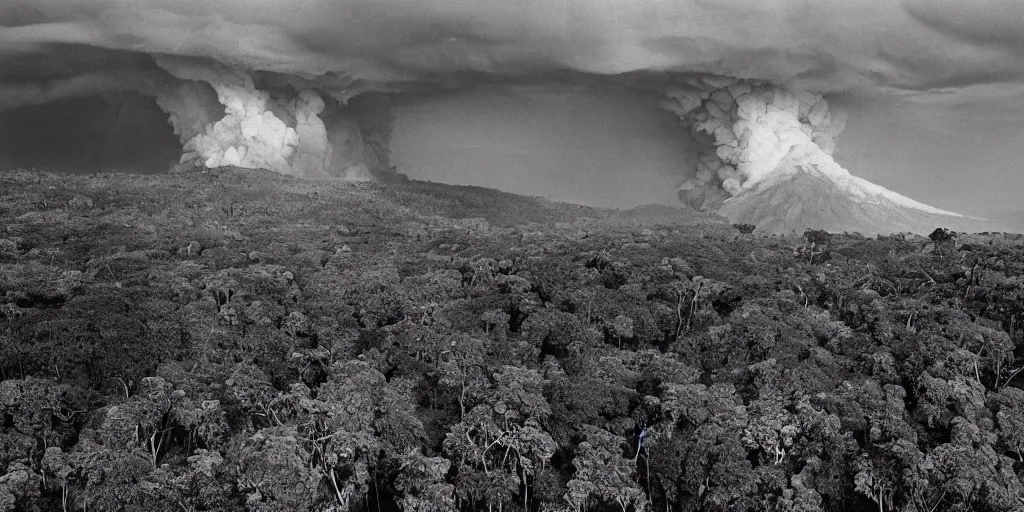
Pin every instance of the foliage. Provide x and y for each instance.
(326, 346)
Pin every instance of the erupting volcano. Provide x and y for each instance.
(766, 160)
(315, 90)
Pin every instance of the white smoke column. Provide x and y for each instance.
(249, 134)
(754, 132)
(313, 151)
(191, 106)
(750, 128)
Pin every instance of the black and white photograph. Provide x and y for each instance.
(511, 255)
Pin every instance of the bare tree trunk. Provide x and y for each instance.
(526, 490)
(462, 400)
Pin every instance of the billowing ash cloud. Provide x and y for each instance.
(223, 118)
(750, 134)
(300, 87)
(250, 134)
(745, 130)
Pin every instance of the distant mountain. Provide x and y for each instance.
(813, 192)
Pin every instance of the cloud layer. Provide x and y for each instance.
(808, 44)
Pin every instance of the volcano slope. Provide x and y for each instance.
(240, 340)
(798, 199)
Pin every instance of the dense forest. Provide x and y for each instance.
(243, 341)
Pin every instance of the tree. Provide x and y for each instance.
(603, 474)
(818, 237)
(462, 368)
(504, 433)
(746, 229)
(19, 488)
(818, 247)
(966, 474)
(1009, 407)
(887, 441)
(699, 459)
(942, 235)
(251, 388)
(40, 412)
(622, 327)
(337, 428)
(275, 471)
(422, 485)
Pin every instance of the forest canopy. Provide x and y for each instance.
(243, 341)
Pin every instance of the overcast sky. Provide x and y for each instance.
(967, 157)
(598, 148)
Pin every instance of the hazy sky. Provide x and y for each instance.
(582, 146)
(934, 87)
(967, 157)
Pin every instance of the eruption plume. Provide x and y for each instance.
(284, 135)
(746, 129)
(752, 134)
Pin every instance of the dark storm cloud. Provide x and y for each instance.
(997, 23)
(827, 46)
